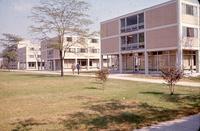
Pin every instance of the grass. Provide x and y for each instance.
(49, 102)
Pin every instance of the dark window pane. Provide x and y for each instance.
(132, 20)
(141, 18)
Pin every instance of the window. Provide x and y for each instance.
(90, 63)
(50, 52)
(189, 10)
(82, 50)
(31, 56)
(39, 56)
(123, 40)
(141, 37)
(132, 20)
(71, 50)
(190, 32)
(94, 40)
(31, 64)
(123, 23)
(94, 50)
(69, 39)
(132, 39)
(32, 49)
(141, 18)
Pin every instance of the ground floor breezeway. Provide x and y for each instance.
(86, 64)
(152, 61)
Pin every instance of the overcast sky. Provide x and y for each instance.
(14, 13)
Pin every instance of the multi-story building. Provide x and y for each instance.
(29, 56)
(147, 40)
(87, 53)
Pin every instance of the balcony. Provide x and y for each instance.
(190, 43)
(132, 28)
(133, 46)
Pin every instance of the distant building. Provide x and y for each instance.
(29, 56)
(87, 55)
(147, 40)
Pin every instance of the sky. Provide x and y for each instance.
(14, 13)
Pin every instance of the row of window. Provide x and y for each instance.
(132, 42)
(134, 38)
(69, 39)
(82, 50)
(33, 49)
(79, 50)
(132, 23)
(32, 56)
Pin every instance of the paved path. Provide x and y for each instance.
(120, 77)
(158, 81)
(191, 123)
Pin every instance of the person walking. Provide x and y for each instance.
(73, 68)
(78, 67)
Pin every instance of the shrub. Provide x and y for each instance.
(171, 75)
(102, 75)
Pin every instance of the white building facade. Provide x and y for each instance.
(87, 54)
(29, 56)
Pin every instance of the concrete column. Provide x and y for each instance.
(76, 60)
(110, 61)
(146, 59)
(18, 65)
(27, 66)
(120, 63)
(88, 64)
(101, 62)
(179, 58)
(198, 61)
(36, 65)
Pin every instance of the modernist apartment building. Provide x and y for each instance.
(147, 40)
(29, 56)
(87, 54)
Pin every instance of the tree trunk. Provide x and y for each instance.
(171, 89)
(61, 64)
(38, 65)
(8, 65)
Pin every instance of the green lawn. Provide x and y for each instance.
(49, 102)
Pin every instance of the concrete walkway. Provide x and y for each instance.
(119, 77)
(158, 81)
(191, 123)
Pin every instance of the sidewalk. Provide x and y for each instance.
(146, 80)
(191, 123)
(119, 77)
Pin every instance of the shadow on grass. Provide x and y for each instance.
(92, 88)
(26, 124)
(41, 75)
(120, 115)
(176, 98)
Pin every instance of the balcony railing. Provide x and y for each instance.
(133, 46)
(132, 28)
(189, 42)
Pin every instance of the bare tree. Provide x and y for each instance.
(61, 18)
(10, 42)
(36, 52)
(171, 75)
